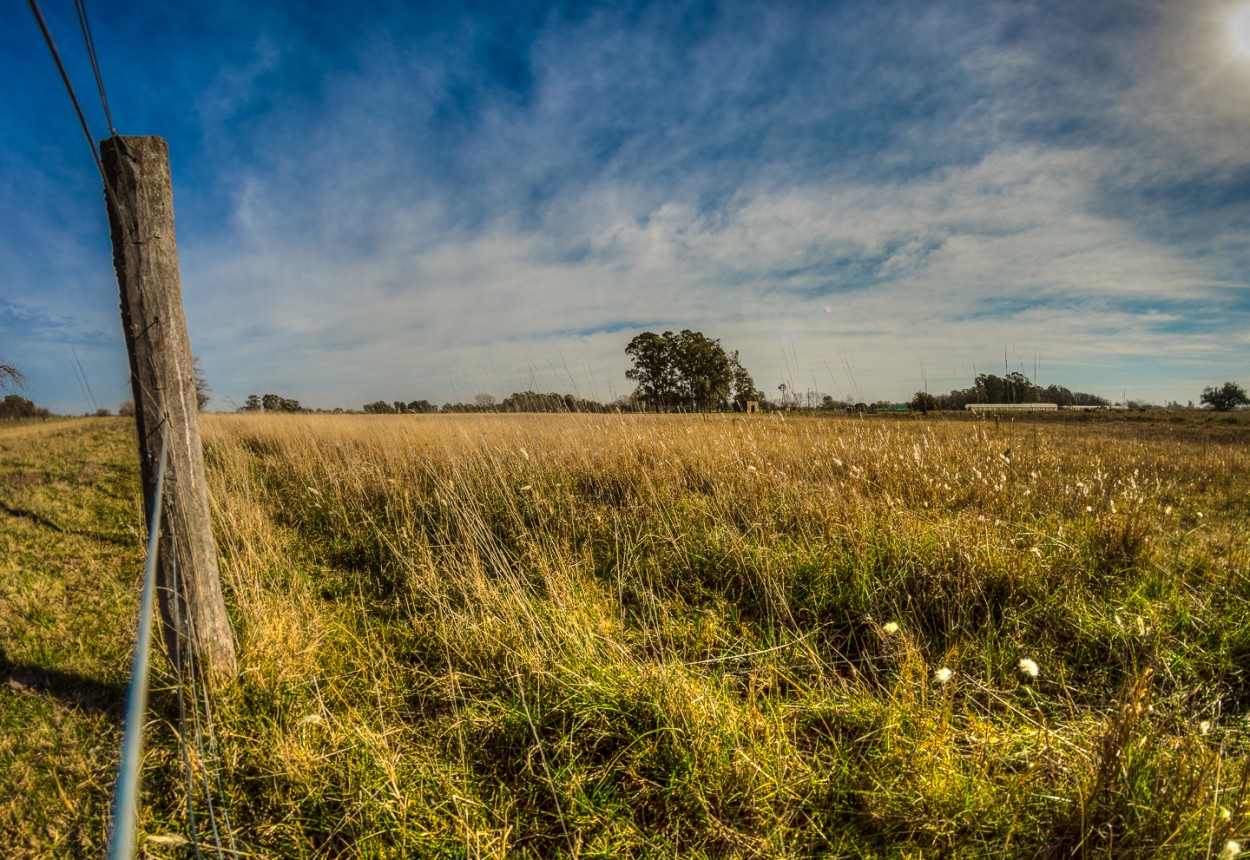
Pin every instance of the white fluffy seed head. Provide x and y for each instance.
(1028, 667)
(942, 675)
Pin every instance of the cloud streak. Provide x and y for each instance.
(434, 203)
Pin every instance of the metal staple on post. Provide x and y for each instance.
(126, 793)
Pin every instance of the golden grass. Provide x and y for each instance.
(717, 636)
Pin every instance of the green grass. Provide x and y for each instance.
(605, 636)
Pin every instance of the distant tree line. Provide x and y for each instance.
(416, 407)
(16, 406)
(270, 403)
(522, 401)
(689, 372)
(1015, 387)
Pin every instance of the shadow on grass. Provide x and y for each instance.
(40, 520)
(72, 689)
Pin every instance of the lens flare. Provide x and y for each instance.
(1241, 30)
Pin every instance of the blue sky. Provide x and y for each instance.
(407, 200)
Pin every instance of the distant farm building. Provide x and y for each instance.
(1012, 407)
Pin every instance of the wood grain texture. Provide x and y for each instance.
(145, 255)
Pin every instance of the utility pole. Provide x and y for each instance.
(145, 254)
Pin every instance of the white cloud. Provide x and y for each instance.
(397, 223)
(950, 269)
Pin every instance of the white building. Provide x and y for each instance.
(1012, 407)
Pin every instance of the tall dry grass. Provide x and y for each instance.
(696, 636)
(730, 636)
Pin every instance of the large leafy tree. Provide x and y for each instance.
(1225, 398)
(703, 371)
(687, 370)
(653, 368)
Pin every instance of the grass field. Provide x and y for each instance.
(654, 636)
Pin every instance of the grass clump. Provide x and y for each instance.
(672, 636)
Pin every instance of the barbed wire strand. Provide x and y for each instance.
(192, 674)
(109, 193)
(60, 67)
(182, 713)
(95, 65)
(221, 789)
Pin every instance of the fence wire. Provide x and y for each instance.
(126, 795)
(122, 840)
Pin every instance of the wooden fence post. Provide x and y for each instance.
(145, 254)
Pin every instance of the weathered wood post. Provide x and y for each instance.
(145, 254)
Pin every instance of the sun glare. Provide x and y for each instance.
(1241, 30)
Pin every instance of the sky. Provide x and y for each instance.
(411, 200)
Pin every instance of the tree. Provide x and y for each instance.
(274, 403)
(10, 376)
(703, 370)
(743, 385)
(252, 404)
(924, 402)
(16, 406)
(687, 369)
(1014, 388)
(203, 391)
(1225, 398)
(653, 368)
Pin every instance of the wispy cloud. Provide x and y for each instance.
(431, 203)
